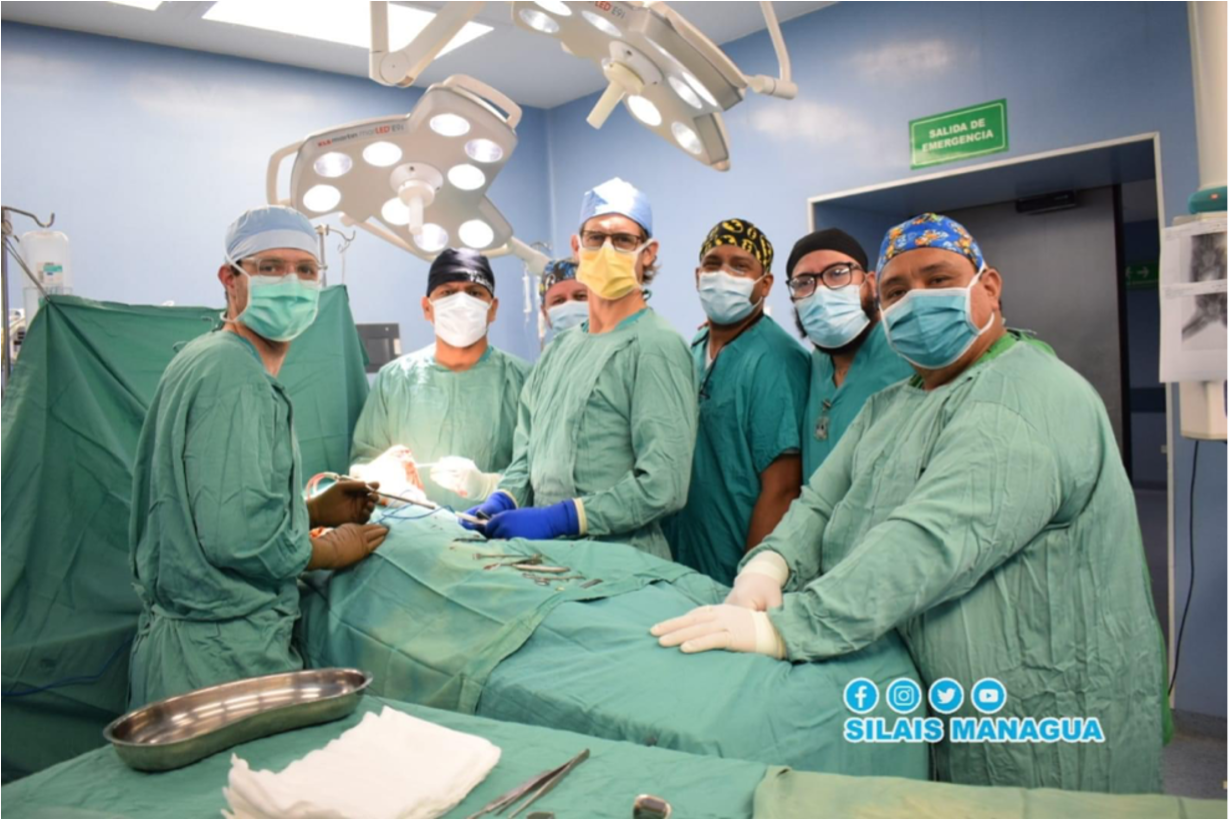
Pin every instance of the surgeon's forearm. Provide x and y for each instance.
(780, 485)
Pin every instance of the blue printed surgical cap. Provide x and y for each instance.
(617, 197)
(269, 226)
(929, 231)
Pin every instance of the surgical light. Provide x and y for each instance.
(671, 77)
(601, 23)
(539, 21)
(382, 154)
(321, 198)
(467, 177)
(450, 125)
(644, 110)
(476, 234)
(482, 150)
(414, 179)
(333, 164)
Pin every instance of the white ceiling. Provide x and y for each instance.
(528, 67)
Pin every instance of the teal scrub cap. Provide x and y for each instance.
(270, 226)
(617, 197)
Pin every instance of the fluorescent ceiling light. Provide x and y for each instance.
(345, 23)
(148, 5)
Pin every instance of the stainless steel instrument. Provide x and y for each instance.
(537, 787)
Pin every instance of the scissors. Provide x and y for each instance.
(537, 787)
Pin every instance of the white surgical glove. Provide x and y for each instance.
(759, 585)
(463, 477)
(721, 627)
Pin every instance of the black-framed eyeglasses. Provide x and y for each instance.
(622, 242)
(838, 275)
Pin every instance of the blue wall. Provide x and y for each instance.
(147, 153)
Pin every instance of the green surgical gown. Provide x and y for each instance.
(751, 400)
(609, 419)
(219, 528)
(991, 523)
(436, 412)
(831, 409)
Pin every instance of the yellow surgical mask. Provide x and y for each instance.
(607, 272)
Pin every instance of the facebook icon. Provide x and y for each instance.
(860, 696)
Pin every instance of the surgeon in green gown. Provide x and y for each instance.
(453, 404)
(751, 379)
(834, 296)
(220, 529)
(982, 510)
(607, 420)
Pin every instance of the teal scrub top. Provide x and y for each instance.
(219, 528)
(830, 409)
(991, 523)
(751, 400)
(609, 419)
(436, 412)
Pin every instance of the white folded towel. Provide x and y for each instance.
(389, 766)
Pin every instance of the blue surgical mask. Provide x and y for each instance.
(280, 308)
(567, 314)
(833, 317)
(724, 297)
(933, 327)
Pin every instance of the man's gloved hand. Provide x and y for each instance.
(759, 585)
(497, 503)
(721, 627)
(346, 500)
(463, 477)
(560, 519)
(345, 545)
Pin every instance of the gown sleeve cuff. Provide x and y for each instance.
(582, 527)
(769, 563)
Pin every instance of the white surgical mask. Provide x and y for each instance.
(460, 319)
(725, 297)
(832, 317)
(567, 314)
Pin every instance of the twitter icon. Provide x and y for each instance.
(946, 696)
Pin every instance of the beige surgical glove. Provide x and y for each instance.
(721, 627)
(463, 477)
(759, 585)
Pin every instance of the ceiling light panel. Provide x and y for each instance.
(345, 23)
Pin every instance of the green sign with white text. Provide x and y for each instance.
(959, 135)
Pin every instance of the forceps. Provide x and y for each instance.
(537, 787)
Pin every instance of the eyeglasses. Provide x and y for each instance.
(594, 240)
(838, 275)
(278, 267)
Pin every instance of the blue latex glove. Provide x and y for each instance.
(498, 502)
(559, 519)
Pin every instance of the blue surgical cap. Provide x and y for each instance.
(269, 226)
(618, 197)
(930, 231)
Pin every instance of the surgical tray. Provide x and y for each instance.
(182, 729)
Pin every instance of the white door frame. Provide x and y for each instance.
(1150, 136)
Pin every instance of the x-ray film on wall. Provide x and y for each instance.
(1193, 301)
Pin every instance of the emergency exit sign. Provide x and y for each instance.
(959, 135)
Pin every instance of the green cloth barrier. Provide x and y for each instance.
(434, 628)
(98, 784)
(788, 794)
(71, 417)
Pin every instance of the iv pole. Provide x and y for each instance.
(6, 227)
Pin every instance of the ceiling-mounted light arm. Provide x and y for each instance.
(780, 86)
(403, 67)
(271, 173)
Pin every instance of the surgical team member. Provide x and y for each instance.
(219, 528)
(751, 380)
(835, 307)
(456, 398)
(565, 300)
(608, 418)
(981, 509)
